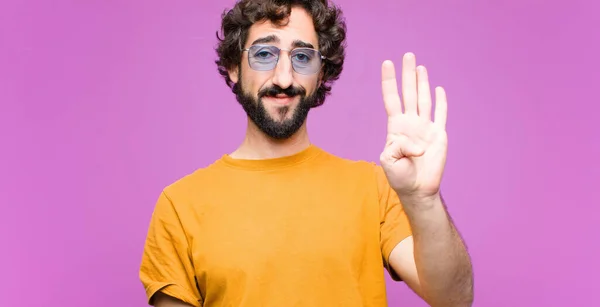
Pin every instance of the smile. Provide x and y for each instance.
(280, 99)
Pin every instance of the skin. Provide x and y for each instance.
(433, 262)
(256, 145)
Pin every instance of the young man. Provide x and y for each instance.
(281, 222)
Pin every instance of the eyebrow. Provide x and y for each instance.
(274, 39)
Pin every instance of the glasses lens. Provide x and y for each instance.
(263, 57)
(306, 61)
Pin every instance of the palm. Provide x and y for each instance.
(415, 151)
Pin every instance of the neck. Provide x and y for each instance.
(257, 145)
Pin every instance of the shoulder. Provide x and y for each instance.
(360, 166)
(192, 183)
(365, 171)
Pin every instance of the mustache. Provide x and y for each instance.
(276, 90)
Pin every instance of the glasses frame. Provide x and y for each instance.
(289, 52)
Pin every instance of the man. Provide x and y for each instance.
(281, 222)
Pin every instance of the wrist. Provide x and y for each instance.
(420, 203)
(425, 214)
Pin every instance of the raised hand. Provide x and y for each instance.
(415, 151)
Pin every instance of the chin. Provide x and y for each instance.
(281, 113)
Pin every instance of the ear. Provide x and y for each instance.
(320, 79)
(233, 74)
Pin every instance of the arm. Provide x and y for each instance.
(166, 270)
(434, 262)
(163, 300)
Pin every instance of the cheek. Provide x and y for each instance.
(254, 81)
(311, 84)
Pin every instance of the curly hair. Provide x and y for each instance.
(327, 20)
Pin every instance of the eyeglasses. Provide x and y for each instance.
(305, 61)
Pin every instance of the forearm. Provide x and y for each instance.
(443, 264)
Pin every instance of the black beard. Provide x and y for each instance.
(276, 129)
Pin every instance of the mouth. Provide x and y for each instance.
(280, 99)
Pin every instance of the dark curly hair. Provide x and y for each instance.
(327, 20)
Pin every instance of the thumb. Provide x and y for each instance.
(399, 147)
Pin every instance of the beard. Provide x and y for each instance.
(278, 129)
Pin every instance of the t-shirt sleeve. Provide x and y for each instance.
(394, 223)
(166, 262)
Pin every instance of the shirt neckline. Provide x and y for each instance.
(272, 163)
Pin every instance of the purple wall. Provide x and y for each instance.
(106, 102)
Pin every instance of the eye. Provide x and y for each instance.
(302, 57)
(264, 54)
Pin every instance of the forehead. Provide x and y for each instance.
(298, 28)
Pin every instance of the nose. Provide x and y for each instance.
(283, 73)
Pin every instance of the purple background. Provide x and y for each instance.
(106, 102)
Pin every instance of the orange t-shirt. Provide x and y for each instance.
(310, 229)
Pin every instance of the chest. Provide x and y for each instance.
(288, 227)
